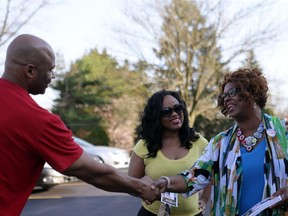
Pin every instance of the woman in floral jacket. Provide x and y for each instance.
(248, 162)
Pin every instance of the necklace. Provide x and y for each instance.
(250, 141)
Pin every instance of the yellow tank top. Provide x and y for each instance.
(162, 166)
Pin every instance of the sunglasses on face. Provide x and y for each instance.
(168, 111)
(231, 93)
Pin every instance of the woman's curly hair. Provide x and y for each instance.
(251, 85)
(151, 128)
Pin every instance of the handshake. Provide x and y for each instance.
(153, 189)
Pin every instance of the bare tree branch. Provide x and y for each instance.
(195, 42)
(15, 14)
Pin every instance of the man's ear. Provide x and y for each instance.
(29, 70)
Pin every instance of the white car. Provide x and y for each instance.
(113, 156)
(50, 177)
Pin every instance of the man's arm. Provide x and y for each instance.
(110, 179)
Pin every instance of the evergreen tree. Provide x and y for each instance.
(190, 57)
(99, 99)
(251, 61)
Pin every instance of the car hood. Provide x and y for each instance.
(110, 150)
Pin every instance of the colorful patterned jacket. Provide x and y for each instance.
(221, 163)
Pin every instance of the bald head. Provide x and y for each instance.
(27, 58)
(26, 49)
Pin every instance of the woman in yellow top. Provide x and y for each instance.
(167, 146)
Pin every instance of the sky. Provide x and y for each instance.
(74, 27)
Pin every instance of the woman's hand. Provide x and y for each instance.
(284, 195)
(202, 205)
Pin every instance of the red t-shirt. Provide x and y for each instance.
(29, 136)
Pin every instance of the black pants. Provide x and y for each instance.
(144, 212)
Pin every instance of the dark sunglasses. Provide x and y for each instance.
(167, 111)
(231, 93)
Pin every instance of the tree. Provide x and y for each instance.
(191, 57)
(99, 99)
(197, 42)
(15, 14)
(251, 61)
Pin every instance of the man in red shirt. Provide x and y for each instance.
(31, 136)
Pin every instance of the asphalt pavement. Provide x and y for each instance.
(80, 199)
(83, 206)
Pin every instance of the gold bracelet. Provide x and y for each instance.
(168, 181)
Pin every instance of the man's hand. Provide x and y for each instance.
(149, 195)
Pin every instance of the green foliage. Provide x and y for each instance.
(96, 95)
(269, 111)
(209, 128)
